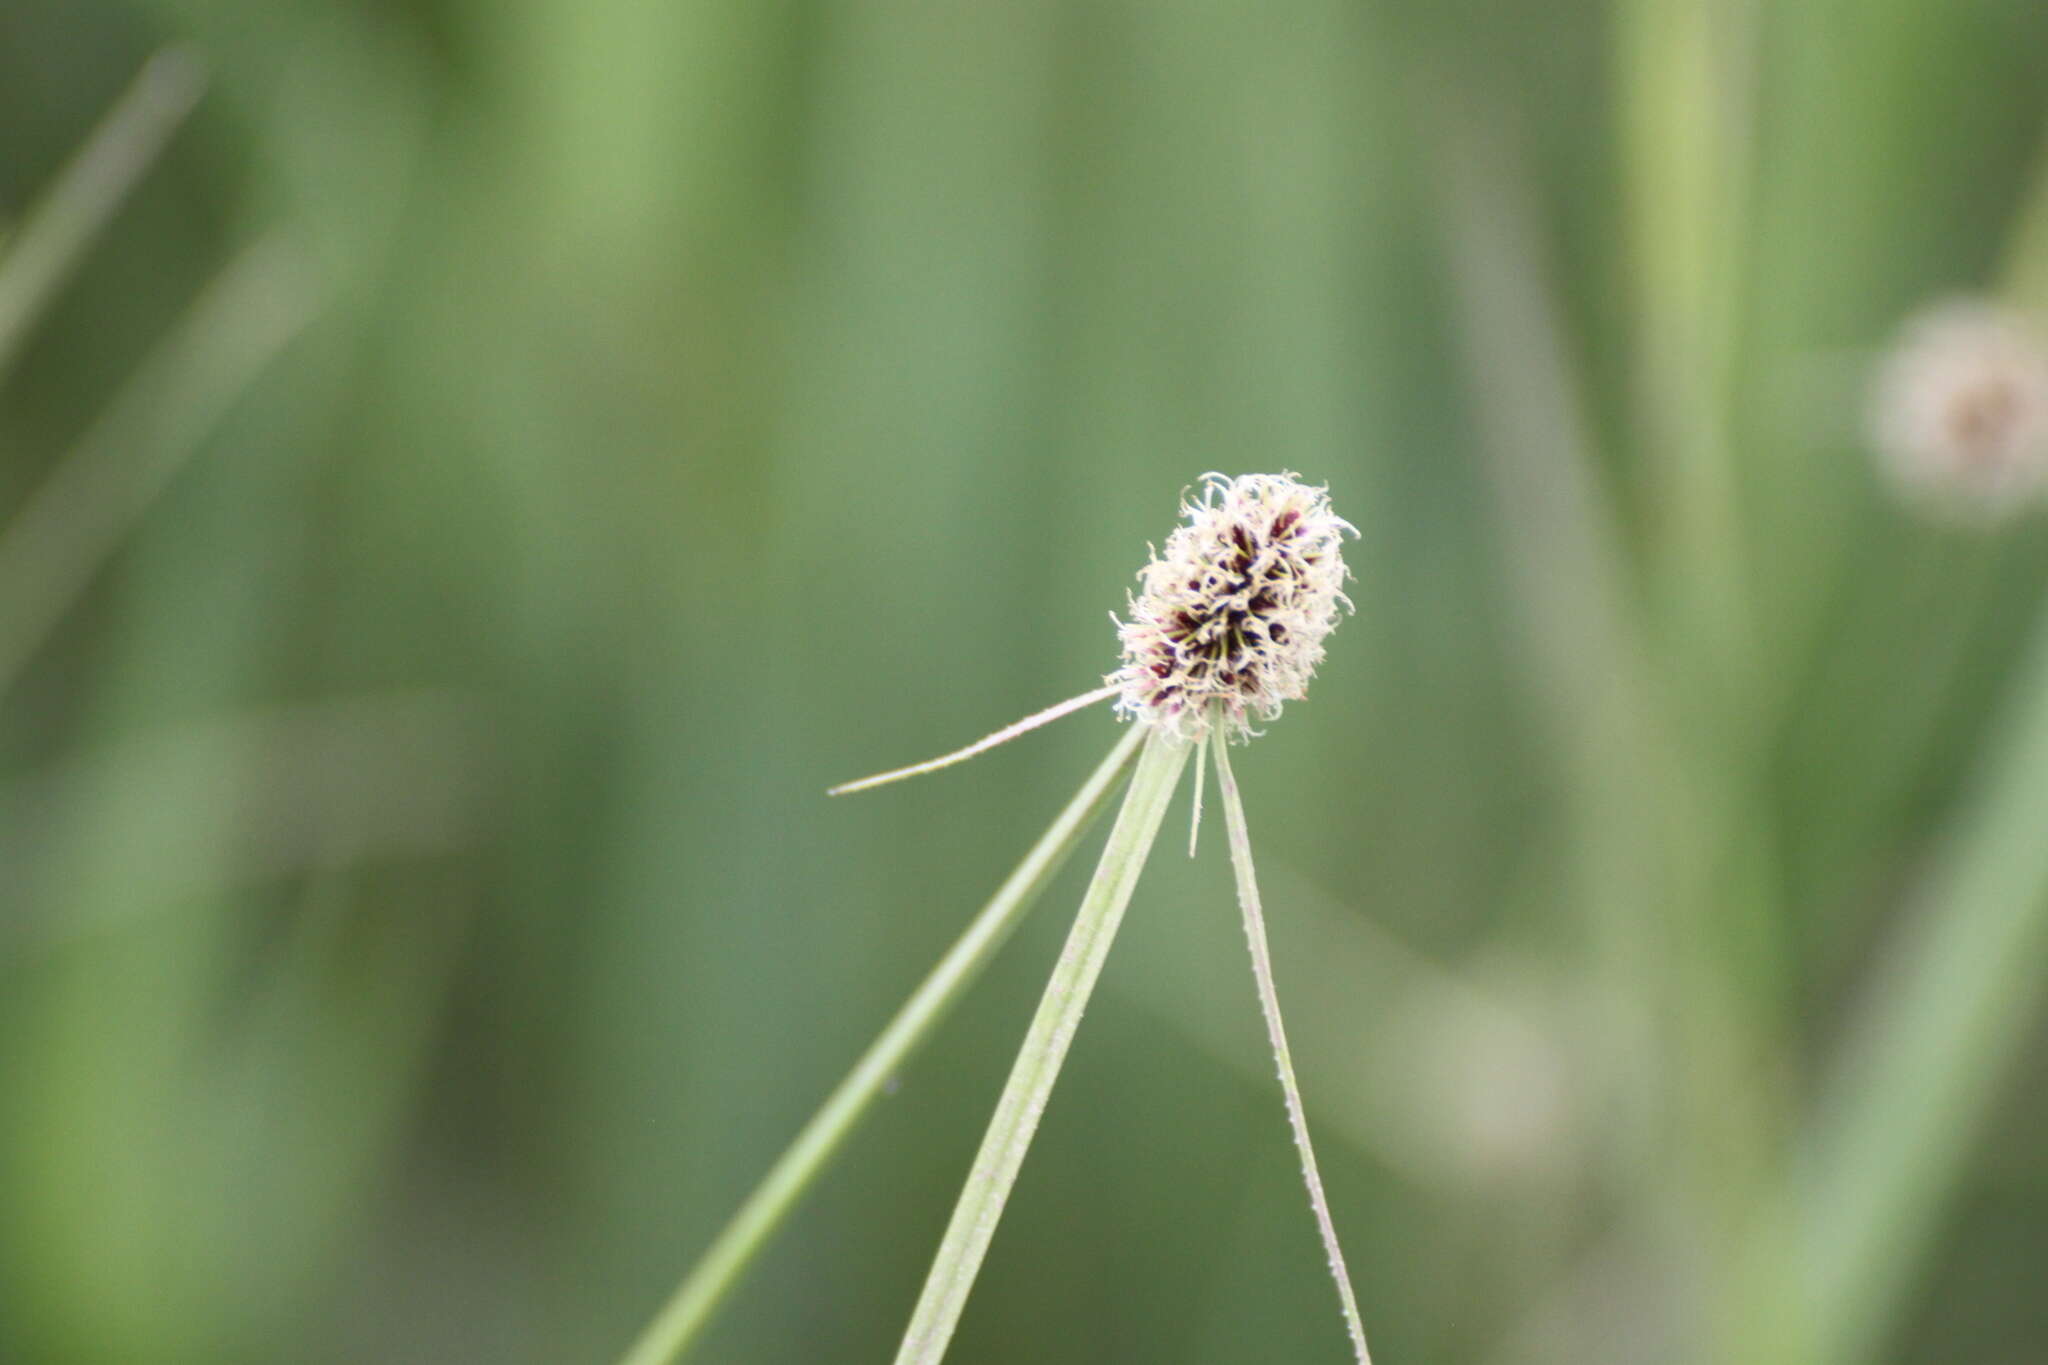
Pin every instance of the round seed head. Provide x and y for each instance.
(1960, 410)
(1230, 620)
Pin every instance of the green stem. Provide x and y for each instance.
(1045, 1049)
(1276, 1031)
(698, 1297)
(55, 236)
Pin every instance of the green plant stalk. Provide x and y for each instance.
(1276, 1032)
(1941, 1029)
(1045, 1048)
(49, 244)
(675, 1328)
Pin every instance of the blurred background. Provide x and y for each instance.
(470, 485)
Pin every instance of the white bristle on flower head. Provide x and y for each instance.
(1232, 615)
(1960, 409)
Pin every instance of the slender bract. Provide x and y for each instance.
(698, 1297)
(980, 746)
(1276, 1032)
(1045, 1049)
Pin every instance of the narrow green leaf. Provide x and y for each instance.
(1045, 1049)
(676, 1327)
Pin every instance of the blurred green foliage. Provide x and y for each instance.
(420, 919)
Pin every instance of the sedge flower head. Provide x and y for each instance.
(1960, 411)
(1231, 616)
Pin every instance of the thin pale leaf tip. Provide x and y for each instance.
(982, 745)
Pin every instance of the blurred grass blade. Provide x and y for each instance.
(1577, 620)
(1044, 1051)
(41, 254)
(264, 793)
(1276, 1033)
(1685, 116)
(1568, 569)
(2023, 280)
(1941, 1029)
(96, 495)
(702, 1291)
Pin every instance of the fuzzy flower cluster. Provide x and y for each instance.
(1232, 614)
(1960, 410)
